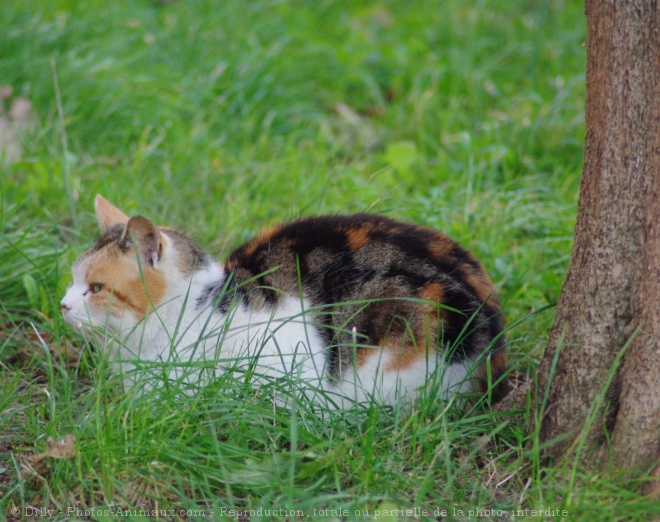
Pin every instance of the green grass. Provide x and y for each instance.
(220, 118)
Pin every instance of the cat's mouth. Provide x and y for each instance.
(100, 328)
(77, 323)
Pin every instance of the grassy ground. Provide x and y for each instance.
(222, 117)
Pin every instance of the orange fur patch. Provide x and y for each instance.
(406, 355)
(262, 238)
(411, 346)
(441, 247)
(433, 292)
(482, 286)
(364, 354)
(124, 284)
(428, 328)
(419, 339)
(357, 237)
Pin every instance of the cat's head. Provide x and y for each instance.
(127, 272)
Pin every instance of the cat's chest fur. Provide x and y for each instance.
(353, 307)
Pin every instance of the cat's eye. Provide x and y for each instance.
(96, 287)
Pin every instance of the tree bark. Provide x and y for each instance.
(610, 301)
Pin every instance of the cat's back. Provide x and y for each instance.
(345, 253)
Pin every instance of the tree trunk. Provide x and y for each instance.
(612, 290)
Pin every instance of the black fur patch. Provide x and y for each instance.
(111, 235)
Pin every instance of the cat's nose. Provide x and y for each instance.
(65, 308)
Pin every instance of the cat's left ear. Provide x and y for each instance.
(147, 239)
(108, 214)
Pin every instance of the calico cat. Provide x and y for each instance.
(360, 307)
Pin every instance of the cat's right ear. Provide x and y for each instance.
(107, 214)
